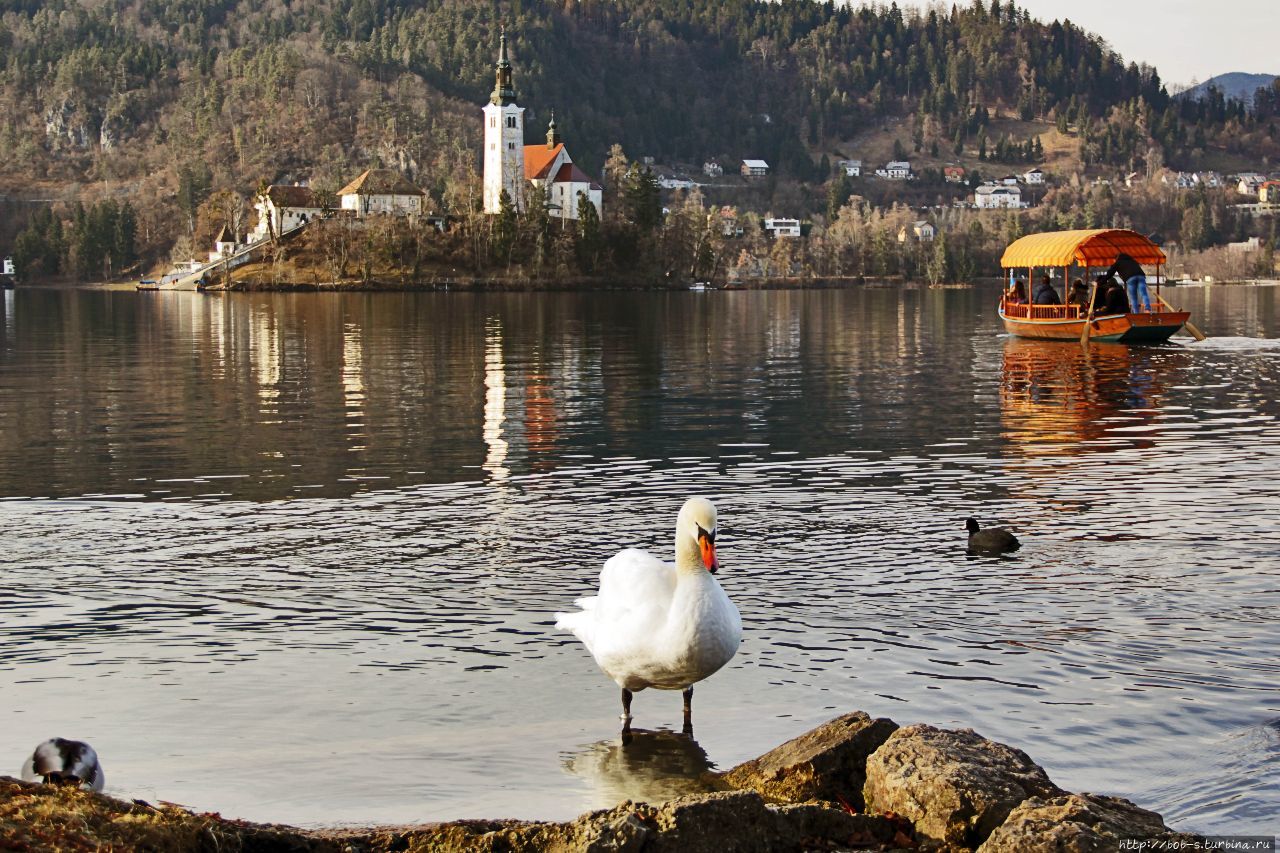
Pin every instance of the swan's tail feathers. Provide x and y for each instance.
(582, 623)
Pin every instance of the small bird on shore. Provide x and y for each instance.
(58, 761)
(990, 542)
(661, 625)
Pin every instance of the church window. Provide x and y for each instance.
(511, 146)
(493, 121)
(511, 121)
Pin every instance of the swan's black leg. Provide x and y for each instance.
(626, 710)
(688, 711)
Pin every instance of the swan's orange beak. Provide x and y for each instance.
(708, 548)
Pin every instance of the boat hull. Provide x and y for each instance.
(1154, 328)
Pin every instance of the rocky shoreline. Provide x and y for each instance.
(854, 783)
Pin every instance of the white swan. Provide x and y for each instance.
(59, 761)
(654, 624)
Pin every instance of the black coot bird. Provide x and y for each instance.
(990, 542)
(58, 761)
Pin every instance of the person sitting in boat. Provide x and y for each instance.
(1114, 301)
(1130, 272)
(1044, 294)
(1017, 293)
(1079, 294)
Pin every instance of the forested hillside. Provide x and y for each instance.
(167, 101)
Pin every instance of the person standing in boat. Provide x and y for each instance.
(1131, 273)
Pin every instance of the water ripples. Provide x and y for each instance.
(216, 617)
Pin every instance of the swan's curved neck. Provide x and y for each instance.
(688, 556)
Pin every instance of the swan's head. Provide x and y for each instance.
(971, 524)
(697, 521)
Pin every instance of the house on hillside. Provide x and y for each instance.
(953, 174)
(1269, 192)
(922, 231)
(729, 226)
(783, 227)
(381, 191)
(225, 245)
(991, 196)
(712, 169)
(1247, 183)
(282, 208)
(1035, 176)
(1209, 179)
(896, 170)
(754, 168)
(1008, 181)
(1179, 180)
(852, 168)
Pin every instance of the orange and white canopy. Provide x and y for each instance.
(1087, 248)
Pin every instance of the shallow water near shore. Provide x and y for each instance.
(295, 557)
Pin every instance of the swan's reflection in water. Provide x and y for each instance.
(652, 766)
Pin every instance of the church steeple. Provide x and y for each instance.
(504, 92)
(553, 136)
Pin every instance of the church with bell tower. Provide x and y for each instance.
(503, 139)
(509, 164)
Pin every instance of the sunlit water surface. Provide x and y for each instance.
(295, 557)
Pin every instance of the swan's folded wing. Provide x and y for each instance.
(635, 591)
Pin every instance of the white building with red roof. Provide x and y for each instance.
(509, 164)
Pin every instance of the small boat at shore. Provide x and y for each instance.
(1081, 253)
(148, 284)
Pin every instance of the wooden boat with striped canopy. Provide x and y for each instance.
(1081, 254)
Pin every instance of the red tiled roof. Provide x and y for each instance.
(570, 172)
(538, 159)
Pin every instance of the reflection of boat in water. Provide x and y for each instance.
(1078, 254)
(1054, 396)
(650, 766)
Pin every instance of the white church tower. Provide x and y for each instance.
(503, 139)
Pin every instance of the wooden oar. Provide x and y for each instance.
(1195, 333)
(1088, 320)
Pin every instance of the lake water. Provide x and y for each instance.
(295, 557)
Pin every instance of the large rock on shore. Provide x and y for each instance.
(828, 763)
(955, 786)
(1077, 823)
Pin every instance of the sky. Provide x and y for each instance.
(1184, 39)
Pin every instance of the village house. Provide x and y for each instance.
(8, 268)
(1269, 192)
(1248, 183)
(225, 245)
(509, 163)
(783, 227)
(712, 169)
(282, 208)
(1035, 176)
(669, 183)
(1179, 180)
(381, 191)
(921, 230)
(953, 174)
(990, 196)
(754, 168)
(1007, 181)
(729, 226)
(896, 170)
(852, 168)
(1209, 179)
